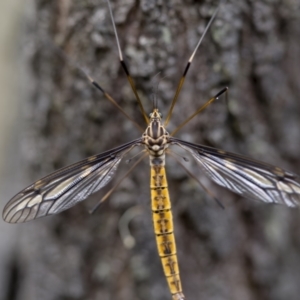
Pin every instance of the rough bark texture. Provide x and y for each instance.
(247, 251)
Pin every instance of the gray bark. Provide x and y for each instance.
(247, 251)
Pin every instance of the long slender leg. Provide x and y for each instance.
(188, 66)
(117, 184)
(196, 179)
(125, 67)
(211, 100)
(94, 83)
(112, 100)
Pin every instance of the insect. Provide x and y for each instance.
(70, 185)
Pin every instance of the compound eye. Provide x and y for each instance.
(150, 115)
(160, 114)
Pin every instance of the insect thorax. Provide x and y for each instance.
(156, 139)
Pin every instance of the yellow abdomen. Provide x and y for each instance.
(163, 228)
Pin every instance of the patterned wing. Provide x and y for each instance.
(246, 177)
(65, 187)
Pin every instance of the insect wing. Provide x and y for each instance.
(65, 187)
(249, 178)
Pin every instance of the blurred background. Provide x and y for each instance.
(51, 117)
(12, 66)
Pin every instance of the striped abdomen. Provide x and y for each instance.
(163, 228)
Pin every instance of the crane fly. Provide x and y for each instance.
(72, 184)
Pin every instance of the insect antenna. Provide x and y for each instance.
(117, 184)
(154, 101)
(124, 66)
(180, 84)
(155, 90)
(211, 100)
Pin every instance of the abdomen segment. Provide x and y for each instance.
(163, 228)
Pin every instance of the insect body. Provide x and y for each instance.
(156, 140)
(70, 185)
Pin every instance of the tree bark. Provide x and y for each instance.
(246, 251)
